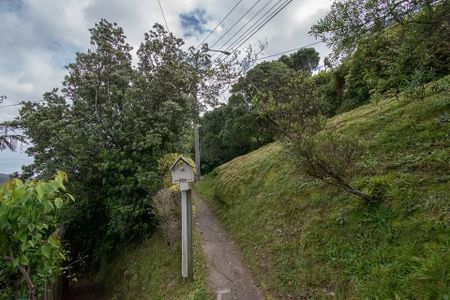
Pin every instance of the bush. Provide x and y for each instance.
(30, 248)
(167, 206)
(332, 158)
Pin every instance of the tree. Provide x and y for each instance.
(298, 115)
(350, 21)
(305, 60)
(107, 128)
(8, 140)
(235, 128)
(386, 46)
(230, 130)
(264, 78)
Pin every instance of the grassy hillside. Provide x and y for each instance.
(306, 239)
(151, 270)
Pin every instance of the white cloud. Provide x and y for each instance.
(11, 161)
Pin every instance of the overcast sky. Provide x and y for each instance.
(39, 37)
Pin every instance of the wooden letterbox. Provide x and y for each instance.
(182, 172)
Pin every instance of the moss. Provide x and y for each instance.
(303, 238)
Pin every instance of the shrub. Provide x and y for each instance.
(30, 249)
(167, 206)
(332, 158)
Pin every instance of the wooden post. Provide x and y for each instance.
(183, 173)
(197, 151)
(186, 233)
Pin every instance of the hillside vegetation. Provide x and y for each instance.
(151, 270)
(305, 239)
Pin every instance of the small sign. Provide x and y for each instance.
(182, 171)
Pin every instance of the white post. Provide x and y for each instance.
(186, 231)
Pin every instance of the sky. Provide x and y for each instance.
(40, 37)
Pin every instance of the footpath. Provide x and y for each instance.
(228, 276)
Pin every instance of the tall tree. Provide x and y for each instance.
(107, 128)
(350, 21)
(10, 140)
(231, 130)
(305, 60)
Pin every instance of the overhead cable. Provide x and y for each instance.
(236, 41)
(220, 23)
(287, 51)
(235, 23)
(162, 12)
(262, 25)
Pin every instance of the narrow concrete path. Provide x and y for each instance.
(227, 274)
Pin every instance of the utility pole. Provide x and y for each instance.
(197, 118)
(197, 148)
(196, 139)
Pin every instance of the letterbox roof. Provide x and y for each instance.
(181, 158)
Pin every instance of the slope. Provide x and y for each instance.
(306, 239)
(151, 270)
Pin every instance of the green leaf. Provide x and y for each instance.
(15, 262)
(48, 207)
(45, 250)
(59, 203)
(23, 260)
(71, 198)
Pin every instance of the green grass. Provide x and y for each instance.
(151, 270)
(305, 239)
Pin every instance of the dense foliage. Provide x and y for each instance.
(351, 21)
(231, 130)
(236, 128)
(305, 60)
(30, 248)
(109, 126)
(406, 45)
(383, 48)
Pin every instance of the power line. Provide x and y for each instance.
(219, 24)
(256, 23)
(254, 16)
(287, 51)
(261, 26)
(248, 33)
(271, 11)
(264, 22)
(234, 24)
(162, 12)
(17, 104)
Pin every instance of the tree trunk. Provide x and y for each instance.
(360, 194)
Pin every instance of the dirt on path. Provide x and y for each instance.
(228, 276)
